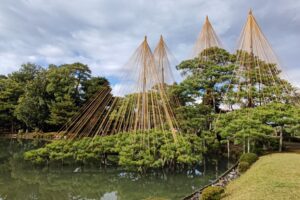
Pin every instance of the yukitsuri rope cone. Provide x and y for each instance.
(145, 108)
(258, 69)
(206, 39)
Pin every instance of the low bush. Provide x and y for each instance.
(212, 193)
(137, 151)
(249, 158)
(243, 166)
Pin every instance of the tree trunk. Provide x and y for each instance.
(248, 144)
(217, 168)
(280, 139)
(12, 127)
(204, 166)
(228, 149)
(244, 145)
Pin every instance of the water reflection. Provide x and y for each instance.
(20, 180)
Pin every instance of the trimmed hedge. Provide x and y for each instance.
(249, 158)
(212, 193)
(243, 166)
(246, 160)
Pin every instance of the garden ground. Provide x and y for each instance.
(275, 176)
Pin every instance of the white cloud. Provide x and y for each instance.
(121, 89)
(50, 51)
(104, 34)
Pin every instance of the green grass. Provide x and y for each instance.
(275, 176)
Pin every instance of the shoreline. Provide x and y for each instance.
(195, 195)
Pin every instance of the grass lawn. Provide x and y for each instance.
(274, 177)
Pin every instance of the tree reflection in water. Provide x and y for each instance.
(21, 181)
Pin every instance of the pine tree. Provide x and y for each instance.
(208, 77)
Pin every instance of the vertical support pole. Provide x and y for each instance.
(161, 61)
(250, 100)
(144, 114)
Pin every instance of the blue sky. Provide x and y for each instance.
(104, 33)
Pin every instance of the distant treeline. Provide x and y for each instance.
(43, 99)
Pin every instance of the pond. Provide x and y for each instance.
(20, 180)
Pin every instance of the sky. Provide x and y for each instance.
(104, 33)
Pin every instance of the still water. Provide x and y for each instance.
(20, 180)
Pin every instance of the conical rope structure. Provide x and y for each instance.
(148, 107)
(257, 82)
(161, 56)
(206, 39)
(258, 69)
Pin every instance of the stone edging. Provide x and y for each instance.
(222, 181)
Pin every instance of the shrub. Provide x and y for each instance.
(258, 150)
(30, 155)
(249, 158)
(212, 193)
(138, 150)
(36, 157)
(243, 166)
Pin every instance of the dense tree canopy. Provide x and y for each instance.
(259, 82)
(253, 126)
(235, 99)
(208, 77)
(45, 98)
(10, 92)
(32, 106)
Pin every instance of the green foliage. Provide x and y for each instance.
(69, 87)
(207, 77)
(91, 86)
(243, 166)
(138, 151)
(249, 158)
(32, 106)
(262, 84)
(157, 149)
(211, 76)
(12, 88)
(26, 73)
(10, 91)
(241, 123)
(212, 193)
(39, 156)
(194, 118)
(37, 98)
(63, 88)
(246, 160)
(62, 110)
(34, 98)
(257, 126)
